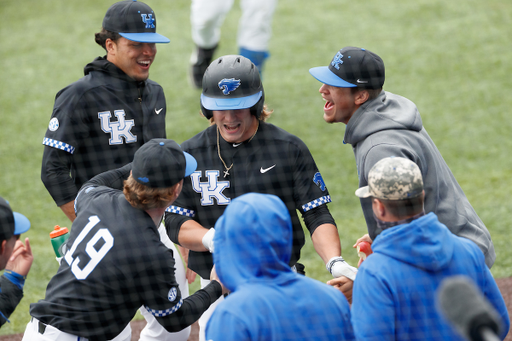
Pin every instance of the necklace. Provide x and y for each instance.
(226, 172)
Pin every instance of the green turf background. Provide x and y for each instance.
(452, 58)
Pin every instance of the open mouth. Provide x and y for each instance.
(328, 105)
(144, 63)
(231, 128)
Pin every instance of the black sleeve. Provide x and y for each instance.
(192, 308)
(173, 224)
(112, 178)
(10, 296)
(316, 217)
(55, 175)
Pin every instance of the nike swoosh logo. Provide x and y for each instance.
(266, 169)
(158, 111)
(361, 82)
(236, 144)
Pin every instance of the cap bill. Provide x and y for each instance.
(326, 76)
(363, 192)
(191, 164)
(230, 103)
(147, 37)
(21, 223)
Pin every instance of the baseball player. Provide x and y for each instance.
(254, 32)
(99, 121)
(241, 153)
(115, 261)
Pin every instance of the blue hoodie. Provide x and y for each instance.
(268, 301)
(395, 288)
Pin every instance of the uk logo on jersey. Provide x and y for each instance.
(117, 129)
(148, 20)
(336, 61)
(211, 189)
(228, 85)
(319, 181)
(173, 293)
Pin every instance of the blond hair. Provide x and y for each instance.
(144, 197)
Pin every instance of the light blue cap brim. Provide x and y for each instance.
(191, 164)
(230, 103)
(21, 223)
(326, 76)
(147, 37)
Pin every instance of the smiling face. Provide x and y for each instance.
(235, 126)
(340, 103)
(132, 57)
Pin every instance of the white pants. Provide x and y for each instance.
(203, 320)
(153, 331)
(254, 28)
(53, 334)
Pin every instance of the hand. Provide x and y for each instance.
(214, 277)
(189, 275)
(344, 285)
(21, 258)
(365, 238)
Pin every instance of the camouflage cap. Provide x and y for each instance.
(393, 178)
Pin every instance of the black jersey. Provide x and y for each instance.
(115, 263)
(273, 162)
(97, 124)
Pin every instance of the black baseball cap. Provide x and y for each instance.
(352, 67)
(161, 163)
(133, 20)
(11, 223)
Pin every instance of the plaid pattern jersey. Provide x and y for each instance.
(273, 162)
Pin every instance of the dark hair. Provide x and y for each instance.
(404, 208)
(372, 93)
(102, 36)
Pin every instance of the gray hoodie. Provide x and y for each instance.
(391, 125)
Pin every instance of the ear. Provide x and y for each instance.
(177, 189)
(378, 208)
(110, 46)
(361, 97)
(2, 247)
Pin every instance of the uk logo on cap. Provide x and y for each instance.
(336, 61)
(148, 20)
(228, 85)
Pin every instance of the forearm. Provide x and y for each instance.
(191, 236)
(69, 210)
(192, 308)
(326, 242)
(10, 296)
(112, 178)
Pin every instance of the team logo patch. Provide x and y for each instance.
(319, 181)
(54, 124)
(143, 179)
(228, 85)
(148, 20)
(173, 293)
(336, 61)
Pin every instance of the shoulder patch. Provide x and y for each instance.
(173, 293)
(54, 124)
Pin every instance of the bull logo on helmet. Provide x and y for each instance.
(228, 85)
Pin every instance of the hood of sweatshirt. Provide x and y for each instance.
(387, 111)
(424, 243)
(253, 241)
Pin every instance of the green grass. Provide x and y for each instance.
(453, 59)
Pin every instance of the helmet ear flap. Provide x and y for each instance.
(206, 113)
(257, 109)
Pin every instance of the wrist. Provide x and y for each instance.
(208, 239)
